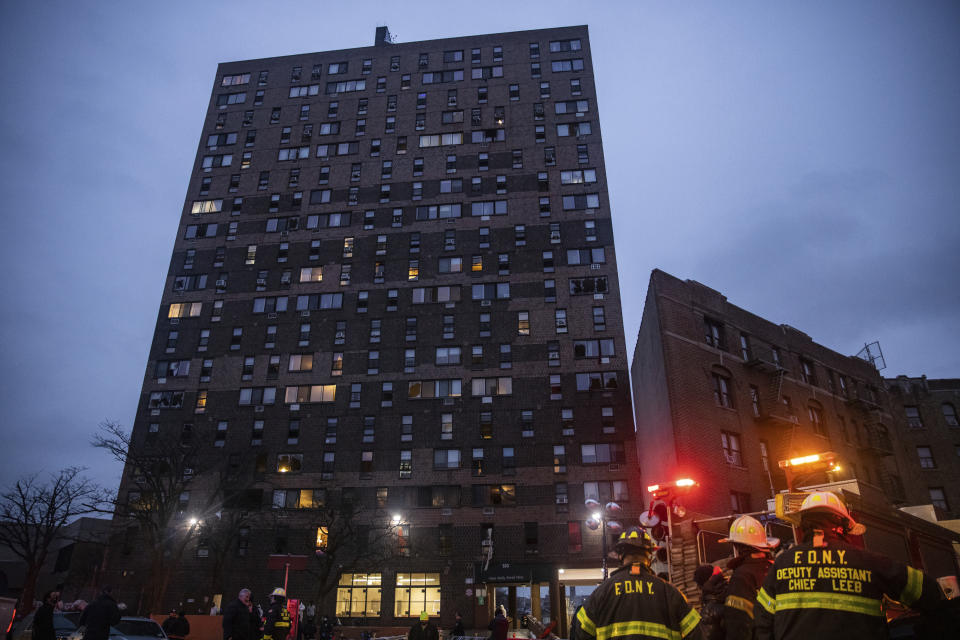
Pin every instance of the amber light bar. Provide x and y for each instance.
(810, 459)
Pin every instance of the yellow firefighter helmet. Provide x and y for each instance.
(749, 531)
(825, 501)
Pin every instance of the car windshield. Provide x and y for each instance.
(138, 628)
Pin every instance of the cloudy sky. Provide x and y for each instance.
(802, 158)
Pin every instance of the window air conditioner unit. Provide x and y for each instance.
(272, 315)
(261, 282)
(614, 467)
(598, 296)
(484, 303)
(595, 266)
(488, 511)
(304, 314)
(562, 499)
(174, 320)
(221, 284)
(446, 512)
(258, 408)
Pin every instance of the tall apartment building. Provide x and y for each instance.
(394, 287)
(930, 427)
(723, 395)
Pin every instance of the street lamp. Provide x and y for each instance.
(600, 518)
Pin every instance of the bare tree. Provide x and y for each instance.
(34, 513)
(169, 489)
(350, 536)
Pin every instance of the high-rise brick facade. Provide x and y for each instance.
(722, 395)
(394, 284)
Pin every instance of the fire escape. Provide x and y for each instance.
(770, 407)
(875, 440)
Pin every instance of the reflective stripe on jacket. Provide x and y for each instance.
(836, 591)
(632, 602)
(748, 574)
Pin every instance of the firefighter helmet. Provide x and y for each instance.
(279, 591)
(827, 502)
(749, 531)
(635, 538)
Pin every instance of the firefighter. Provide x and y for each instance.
(635, 602)
(826, 588)
(276, 623)
(753, 557)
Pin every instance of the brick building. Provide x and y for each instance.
(930, 429)
(722, 395)
(394, 286)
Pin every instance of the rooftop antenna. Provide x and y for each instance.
(874, 355)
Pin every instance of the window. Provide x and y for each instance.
(739, 502)
(435, 140)
(447, 355)
(289, 462)
(721, 390)
(593, 348)
(939, 498)
(358, 595)
(486, 387)
(755, 400)
(490, 291)
(435, 77)
(300, 362)
(713, 333)
(730, 443)
(926, 458)
(914, 421)
(949, 414)
(424, 389)
(477, 465)
(446, 459)
(807, 372)
(497, 494)
(415, 593)
(327, 466)
(602, 453)
(185, 310)
(596, 381)
(560, 320)
(523, 323)
(605, 491)
(574, 129)
(310, 393)
(225, 99)
(816, 420)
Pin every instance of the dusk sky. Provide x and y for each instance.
(802, 158)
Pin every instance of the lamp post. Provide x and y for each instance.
(600, 518)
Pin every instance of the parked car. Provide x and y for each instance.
(131, 628)
(64, 624)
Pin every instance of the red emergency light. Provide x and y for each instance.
(659, 490)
